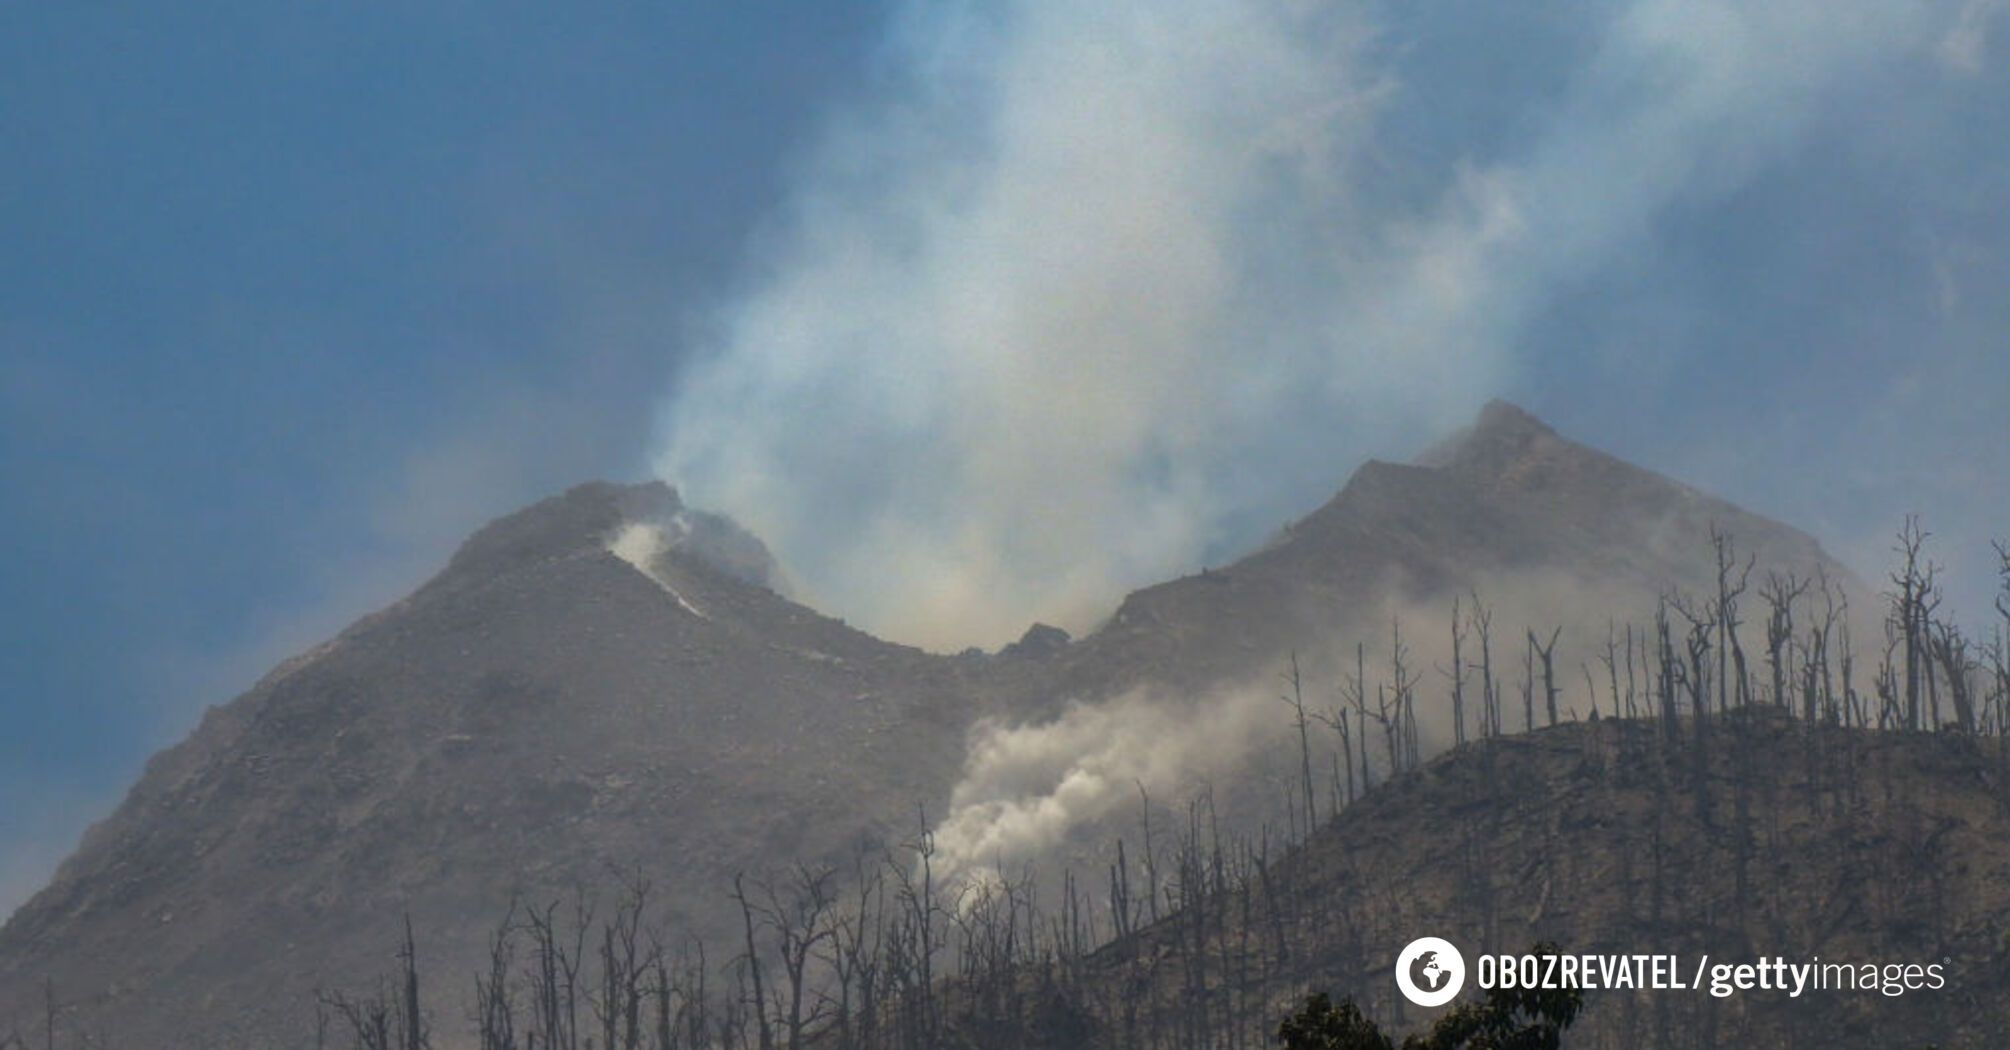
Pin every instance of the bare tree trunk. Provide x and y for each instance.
(1905, 612)
(1490, 712)
(1547, 654)
(1297, 702)
(1458, 676)
(414, 1038)
(753, 966)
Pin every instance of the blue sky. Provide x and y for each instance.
(294, 296)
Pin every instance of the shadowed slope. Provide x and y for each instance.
(540, 715)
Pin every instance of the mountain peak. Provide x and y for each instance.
(591, 516)
(581, 518)
(1503, 432)
(1504, 419)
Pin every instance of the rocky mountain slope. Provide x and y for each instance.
(601, 684)
(1547, 535)
(1552, 532)
(542, 714)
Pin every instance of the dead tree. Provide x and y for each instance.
(625, 964)
(1781, 593)
(1336, 720)
(1123, 912)
(1732, 582)
(853, 948)
(1695, 675)
(800, 925)
(1666, 668)
(1296, 701)
(1913, 582)
(1490, 711)
(694, 1010)
(1359, 690)
(1457, 673)
(413, 1027)
(1611, 662)
(663, 1021)
(1391, 726)
(1886, 684)
(2001, 650)
(1834, 634)
(918, 936)
(750, 964)
(554, 974)
(1547, 654)
(369, 1020)
(2003, 573)
(495, 1000)
(1151, 852)
(1404, 695)
(1950, 650)
(1528, 685)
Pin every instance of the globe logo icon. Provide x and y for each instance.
(1427, 973)
(1430, 972)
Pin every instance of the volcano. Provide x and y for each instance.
(610, 685)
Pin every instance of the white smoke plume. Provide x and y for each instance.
(1087, 292)
(1024, 787)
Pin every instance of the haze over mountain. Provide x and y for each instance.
(282, 329)
(604, 684)
(1546, 532)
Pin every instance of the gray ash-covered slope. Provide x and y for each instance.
(542, 713)
(1786, 840)
(1548, 533)
(571, 697)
